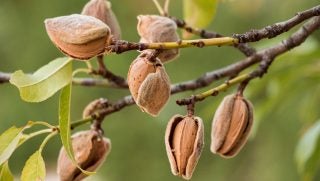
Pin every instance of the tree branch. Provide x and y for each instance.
(4, 77)
(120, 46)
(107, 74)
(276, 29)
(92, 82)
(243, 47)
(266, 56)
(87, 82)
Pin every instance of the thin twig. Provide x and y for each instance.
(123, 46)
(107, 74)
(4, 77)
(276, 29)
(166, 7)
(87, 82)
(159, 7)
(243, 47)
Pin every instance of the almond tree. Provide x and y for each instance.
(95, 34)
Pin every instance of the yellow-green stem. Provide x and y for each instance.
(31, 135)
(223, 87)
(81, 122)
(45, 141)
(198, 43)
(159, 7)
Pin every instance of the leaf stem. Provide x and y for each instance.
(34, 134)
(166, 7)
(32, 123)
(84, 70)
(45, 141)
(158, 6)
(80, 122)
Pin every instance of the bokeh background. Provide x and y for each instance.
(286, 100)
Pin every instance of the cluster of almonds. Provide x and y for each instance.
(148, 81)
(231, 125)
(85, 36)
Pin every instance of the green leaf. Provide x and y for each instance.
(34, 169)
(307, 153)
(64, 124)
(44, 82)
(199, 13)
(5, 173)
(8, 142)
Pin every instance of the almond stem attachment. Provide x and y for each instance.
(123, 46)
(190, 107)
(215, 91)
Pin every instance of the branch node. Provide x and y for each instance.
(191, 105)
(96, 126)
(215, 93)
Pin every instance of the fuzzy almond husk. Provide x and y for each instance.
(78, 36)
(149, 85)
(154, 92)
(184, 143)
(90, 151)
(231, 125)
(101, 9)
(139, 69)
(154, 29)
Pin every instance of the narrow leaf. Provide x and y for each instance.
(5, 173)
(8, 142)
(64, 124)
(34, 169)
(199, 13)
(44, 82)
(308, 152)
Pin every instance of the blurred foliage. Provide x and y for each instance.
(308, 152)
(5, 173)
(286, 100)
(199, 13)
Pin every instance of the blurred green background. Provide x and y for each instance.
(286, 100)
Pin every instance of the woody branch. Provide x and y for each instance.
(250, 36)
(265, 57)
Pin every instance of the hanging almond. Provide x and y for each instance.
(154, 29)
(90, 150)
(184, 143)
(149, 84)
(231, 125)
(78, 36)
(101, 9)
